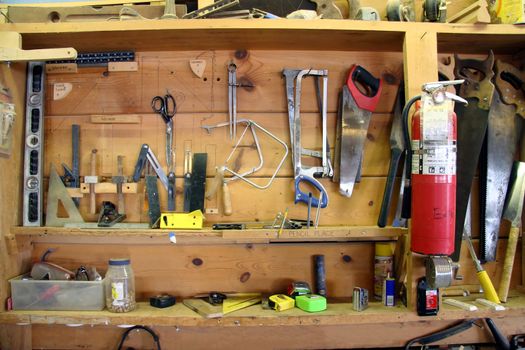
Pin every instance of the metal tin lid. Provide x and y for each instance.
(118, 262)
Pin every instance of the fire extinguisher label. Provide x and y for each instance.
(435, 154)
(434, 157)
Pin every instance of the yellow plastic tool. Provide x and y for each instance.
(182, 221)
(484, 279)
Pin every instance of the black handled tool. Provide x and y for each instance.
(320, 275)
(397, 149)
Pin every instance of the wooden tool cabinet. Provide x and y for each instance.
(252, 260)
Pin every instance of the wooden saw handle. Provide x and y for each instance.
(504, 284)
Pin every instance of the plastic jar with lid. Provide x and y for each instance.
(120, 286)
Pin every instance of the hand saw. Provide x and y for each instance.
(472, 126)
(497, 156)
(357, 108)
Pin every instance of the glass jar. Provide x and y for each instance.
(120, 286)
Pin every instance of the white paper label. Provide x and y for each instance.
(117, 291)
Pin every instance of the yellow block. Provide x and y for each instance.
(182, 221)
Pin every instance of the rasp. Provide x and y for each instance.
(472, 121)
(397, 148)
(512, 213)
(501, 142)
(356, 112)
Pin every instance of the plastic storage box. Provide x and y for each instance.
(57, 295)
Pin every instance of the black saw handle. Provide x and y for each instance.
(395, 156)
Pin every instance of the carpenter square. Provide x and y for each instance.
(119, 180)
(472, 121)
(187, 180)
(356, 113)
(58, 192)
(512, 213)
(198, 181)
(71, 176)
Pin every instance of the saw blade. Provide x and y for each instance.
(353, 134)
(472, 126)
(502, 137)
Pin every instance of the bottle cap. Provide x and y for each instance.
(118, 262)
(384, 249)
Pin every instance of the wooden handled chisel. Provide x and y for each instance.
(512, 213)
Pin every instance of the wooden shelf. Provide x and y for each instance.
(205, 236)
(347, 35)
(254, 316)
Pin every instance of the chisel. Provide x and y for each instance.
(512, 213)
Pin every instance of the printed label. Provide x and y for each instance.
(438, 158)
(431, 300)
(117, 291)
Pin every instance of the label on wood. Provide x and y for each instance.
(61, 90)
(198, 67)
(123, 66)
(116, 119)
(55, 68)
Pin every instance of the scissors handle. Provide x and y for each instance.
(165, 106)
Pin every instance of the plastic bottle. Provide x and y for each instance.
(120, 286)
(383, 266)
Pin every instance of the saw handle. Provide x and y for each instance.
(508, 265)
(303, 197)
(488, 287)
(389, 187)
(372, 84)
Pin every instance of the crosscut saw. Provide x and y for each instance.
(302, 172)
(357, 108)
(472, 126)
(504, 129)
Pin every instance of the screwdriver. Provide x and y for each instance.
(484, 279)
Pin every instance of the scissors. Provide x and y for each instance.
(166, 107)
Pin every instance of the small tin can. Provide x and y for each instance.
(389, 290)
(360, 299)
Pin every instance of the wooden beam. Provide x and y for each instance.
(255, 316)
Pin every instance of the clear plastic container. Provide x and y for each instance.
(120, 286)
(28, 294)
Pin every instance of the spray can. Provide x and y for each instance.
(383, 266)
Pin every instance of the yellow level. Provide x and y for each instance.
(182, 221)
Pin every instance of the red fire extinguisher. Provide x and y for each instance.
(433, 171)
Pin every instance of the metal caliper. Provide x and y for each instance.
(302, 172)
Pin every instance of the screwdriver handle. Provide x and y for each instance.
(226, 199)
(488, 287)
